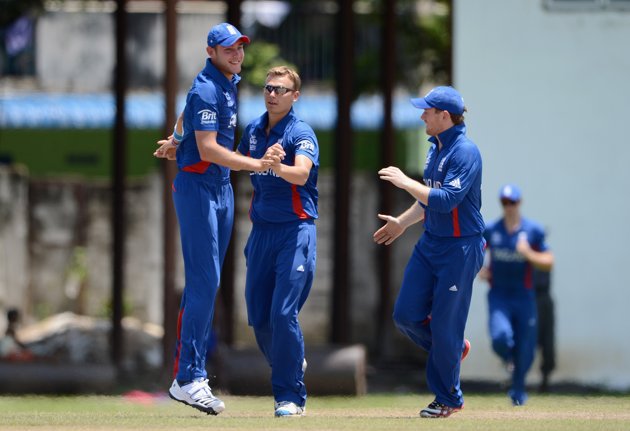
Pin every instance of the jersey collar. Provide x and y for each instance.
(450, 135)
(220, 78)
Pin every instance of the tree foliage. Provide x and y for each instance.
(260, 57)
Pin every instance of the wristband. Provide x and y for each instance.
(176, 136)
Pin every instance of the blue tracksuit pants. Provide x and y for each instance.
(433, 303)
(513, 331)
(280, 270)
(205, 211)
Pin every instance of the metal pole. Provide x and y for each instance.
(341, 319)
(388, 151)
(169, 170)
(119, 163)
(225, 310)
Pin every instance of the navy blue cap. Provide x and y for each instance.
(225, 34)
(443, 98)
(510, 192)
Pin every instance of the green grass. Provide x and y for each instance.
(372, 412)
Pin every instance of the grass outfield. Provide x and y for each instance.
(372, 412)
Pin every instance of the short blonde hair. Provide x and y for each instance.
(286, 71)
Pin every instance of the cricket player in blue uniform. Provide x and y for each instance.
(204, 204)
(516, 246)
(281, 248)
(434, 299)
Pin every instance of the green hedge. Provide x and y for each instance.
(89, 152)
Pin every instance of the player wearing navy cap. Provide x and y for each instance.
(204, 203)
(516, 246)
(434, 299)
(280, 250)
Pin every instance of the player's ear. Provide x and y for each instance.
(211, 51)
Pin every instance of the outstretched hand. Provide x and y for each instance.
(166, 149)
(390, 231)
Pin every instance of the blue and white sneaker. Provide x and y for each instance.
(198, 395)
(288, 409)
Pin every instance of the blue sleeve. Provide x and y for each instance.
(539, 243)
(463, 169)
(305, 143)
(243, 145)
(205, 108)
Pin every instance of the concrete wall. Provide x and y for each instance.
(86, 63)
(548, 96)
(56, 255)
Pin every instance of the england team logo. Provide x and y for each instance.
(228, 99)
(252, 143)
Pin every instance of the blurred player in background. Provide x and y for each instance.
(203, 142)
(281, 248)
(516, 246)
(434, 299)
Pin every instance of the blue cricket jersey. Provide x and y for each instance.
(275, 200)
(454, 175)
(511, 273)
(210, 106)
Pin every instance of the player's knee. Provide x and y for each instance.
(502, 345)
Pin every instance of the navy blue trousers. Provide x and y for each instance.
(433, 303)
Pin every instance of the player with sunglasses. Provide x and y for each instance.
(280, 250)
(516, 247)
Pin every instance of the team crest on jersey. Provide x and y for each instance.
(252, 143)
(495, 239)
(441, 165)
(228, 99)
(207, 117)
(233, 121)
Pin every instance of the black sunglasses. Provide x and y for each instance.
(506, 202)
(279, 89)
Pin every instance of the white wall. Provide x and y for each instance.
(548, 98)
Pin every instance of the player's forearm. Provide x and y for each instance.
(412, 215)
(211, 151)
(293, 174)
(542, 260)
(235, 161)
(418, 191)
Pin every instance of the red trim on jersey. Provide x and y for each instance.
(198, 168)
(456, 231)
(297, 203)
(528, 277)
(178, 349)
(173, 187)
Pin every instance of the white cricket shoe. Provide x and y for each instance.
(288, 409)
(198, 395)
